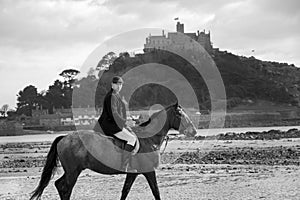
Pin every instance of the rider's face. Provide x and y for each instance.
(117, 86)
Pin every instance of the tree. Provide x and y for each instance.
(124, 55)
(91, 73)
(55, 96)
(27, 100)
(3, 110)
(85, 93)
(66, 90)
(106, 61)
(70, 76)
(42, 100)
(11, 114)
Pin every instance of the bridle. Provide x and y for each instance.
(175, 127)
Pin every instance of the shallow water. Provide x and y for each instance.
(204, 132)
(29, 138)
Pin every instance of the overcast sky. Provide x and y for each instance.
(40, 38)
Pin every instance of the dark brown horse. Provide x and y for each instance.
(89, 150)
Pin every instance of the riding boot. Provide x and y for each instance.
(126, 156)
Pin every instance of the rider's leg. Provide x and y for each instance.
(127, 136)
(131, 140)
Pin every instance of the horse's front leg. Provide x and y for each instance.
(151, 178)
(130, 178)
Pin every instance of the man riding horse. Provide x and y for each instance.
(82, 150)
(113, 120)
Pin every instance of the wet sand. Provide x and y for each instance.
(21, 164)
(175, 182)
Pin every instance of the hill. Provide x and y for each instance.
(245, 79)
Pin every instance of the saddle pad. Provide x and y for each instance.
(120, 144)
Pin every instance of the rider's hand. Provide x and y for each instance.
(128, 128)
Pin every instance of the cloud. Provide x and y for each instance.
(284, 8)
(39, 38)
(20, 68)
(31, 24)
(245, 25)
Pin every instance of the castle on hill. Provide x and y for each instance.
(162, 41)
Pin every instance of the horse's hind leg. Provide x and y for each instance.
(130, 178)
(65, 184)
(61, 186)
(151, 178)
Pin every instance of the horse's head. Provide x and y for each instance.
(182, 122)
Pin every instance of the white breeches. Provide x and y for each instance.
(127, 136)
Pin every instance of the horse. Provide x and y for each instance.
(91, 150)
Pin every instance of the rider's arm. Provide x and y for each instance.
(120, 120)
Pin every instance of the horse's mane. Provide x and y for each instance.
(150, 119)
(153, 116)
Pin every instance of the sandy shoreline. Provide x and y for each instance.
(197, 170)
(203, 132)
(176, 182)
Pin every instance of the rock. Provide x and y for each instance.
(264, 135)
(246, 156)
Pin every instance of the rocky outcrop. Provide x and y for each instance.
(264, 135)
(244, 156)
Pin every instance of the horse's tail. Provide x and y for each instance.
(48, 170)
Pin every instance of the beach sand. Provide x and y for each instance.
(21, 165)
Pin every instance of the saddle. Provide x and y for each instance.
(120, 144)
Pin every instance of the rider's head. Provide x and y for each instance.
(117, 83)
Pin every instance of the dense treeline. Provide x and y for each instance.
(58, 95)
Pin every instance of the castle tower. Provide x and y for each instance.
(162, 41)
(180, 27)
(204, 40)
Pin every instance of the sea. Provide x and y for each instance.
(203, 132)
